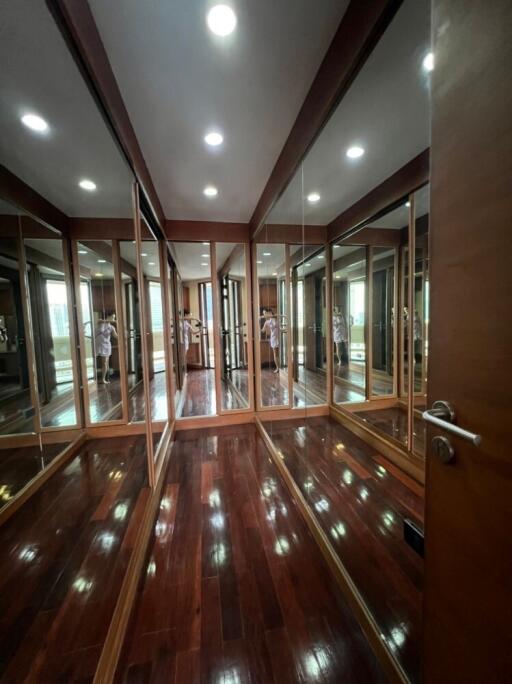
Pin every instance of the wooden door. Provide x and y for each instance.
(468, 559)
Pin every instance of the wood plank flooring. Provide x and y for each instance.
(64, 555)
(360, 500)
(235, 589)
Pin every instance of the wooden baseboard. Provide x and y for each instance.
(366, 620)
(111, 652)
(408, 463)
(38, 481)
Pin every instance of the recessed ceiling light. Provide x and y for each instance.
(274, 273)
(336, 246)
(99, 275)
(259, 262)
(313, 197)
(355, 152)
(320, 256)
(102, 261)
(221, 20)
(210, 191)
(267, 253)
(35, 123)
(143, 254)
(428, 62)
(407, 204)
(338, 277)
(87, 184)
(82, 251)
(206, 243)
(308, 264)
(203, 264)
(214, 138)
(151, 263)
(205, 256)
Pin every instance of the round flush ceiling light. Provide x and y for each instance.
(214, 138)
(205, 256)
(313, 197)
(407, 204)
(428, 62)
(210, 191)
(355, 152)
(35, 123)
(88, 185)
(221, 20)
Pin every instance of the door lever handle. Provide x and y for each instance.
(442, 414)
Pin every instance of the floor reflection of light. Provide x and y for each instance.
(120, 511)
(151, 568)
(219, 554)
(27, 553)
(338, 530)
(347, 476)
(269, 486)
(282, 546)
(381, 471)
(106, 540)
(115, 474)
(388, 518)
(214, 498)
(308, 483)
(317, 662)
(217, 520)
(322, 505)
(160, 528)
(398, 636)
(231, 676)
(82, 584)
(364, 493)
(340, 446)
(5, 493)
(271, 515)
(165, 504)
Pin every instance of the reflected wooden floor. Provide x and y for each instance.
(393, 422)
(235, 589)
(158, 394)
(19, 466)
(200, 393)
(360, 500)
(64, 555)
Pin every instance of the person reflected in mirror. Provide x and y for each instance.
(105, 330)
(188, 329)
(271, 329)
(340, 335)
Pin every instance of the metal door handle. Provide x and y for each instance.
(442, 414)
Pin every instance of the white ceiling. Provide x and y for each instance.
(385, 111)
(177, 80)
(39, 75)
(190, 256)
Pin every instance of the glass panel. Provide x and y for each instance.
(309, 324)
(155, 330)
(349, 323)
(272, 320)
(51, 324)
(16, 407)
(421, 320)
(383, 307)
(196, 349)
(132, 330)
(232, 285)
(99, 329)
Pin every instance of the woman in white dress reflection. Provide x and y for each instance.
(104, 332)
(271, 328)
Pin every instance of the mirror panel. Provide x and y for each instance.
(272, 321)
(349, 323)
(99, 333)
(233, 311)
(52, 324)
(383, 307)
(17, 407)
(196, 347)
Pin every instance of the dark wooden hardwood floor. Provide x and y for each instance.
(64, 555)
(360, 500)
(235, 589)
